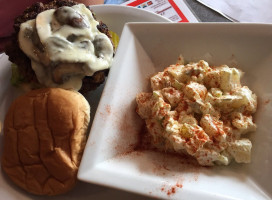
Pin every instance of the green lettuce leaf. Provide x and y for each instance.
(16, 77)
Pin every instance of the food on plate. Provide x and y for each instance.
(44, 137)
(199, 110)
(60, 44)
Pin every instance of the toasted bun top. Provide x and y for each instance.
(44, 137)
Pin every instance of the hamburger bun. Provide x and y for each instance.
(44, 137)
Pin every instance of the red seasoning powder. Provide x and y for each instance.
(267, 101)
(170, 190)
(125, 125)
(108, 109)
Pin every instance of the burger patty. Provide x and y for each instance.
(17, 56)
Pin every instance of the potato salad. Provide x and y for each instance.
(200, 110)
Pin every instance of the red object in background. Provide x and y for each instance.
(183, 18)
(136, 3)
(173, 4)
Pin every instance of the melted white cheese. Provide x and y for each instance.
(84, 49)
(25, 39)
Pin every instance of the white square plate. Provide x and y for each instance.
(145, 48)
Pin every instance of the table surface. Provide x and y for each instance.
(205, 14)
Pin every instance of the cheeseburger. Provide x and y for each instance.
(60, 44)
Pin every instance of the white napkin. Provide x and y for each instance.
(242, 10)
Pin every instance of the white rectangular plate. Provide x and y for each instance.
(145, 48)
